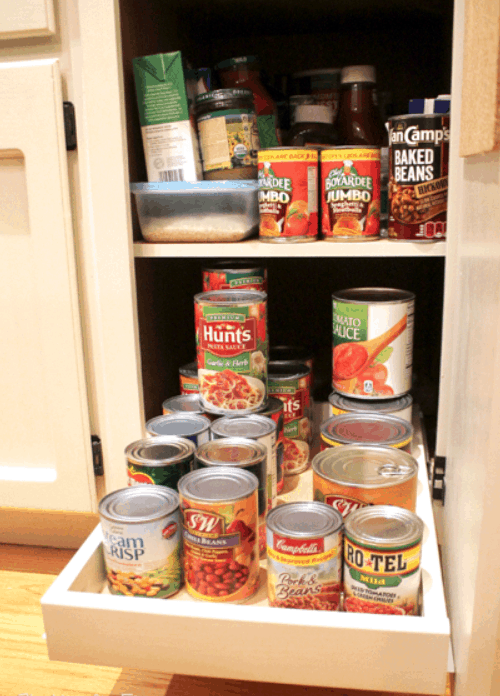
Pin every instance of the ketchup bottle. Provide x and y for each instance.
(359, 121)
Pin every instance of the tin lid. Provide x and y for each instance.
(370, 405)
(304, 519)
(252, 426)
(279, 370)
(373, 295)
(231, 451)
(384, 525)
(218, 95)
(221, 298)
(270, 406)
(239, 60)
(180, 424)
(159, 451)
(218, 485)
(139, 504)
(189, 370)
(365, 467)
(189, 403)
(295, 353)
(367, 428)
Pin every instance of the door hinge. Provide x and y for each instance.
(69, 125)
(97, 456)
(438, 481)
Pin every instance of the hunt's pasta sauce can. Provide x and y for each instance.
(232, 350)
(234, 275)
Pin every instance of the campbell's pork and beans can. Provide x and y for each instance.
(234, 275)
(418, 177)
(188, 378)
(373, 342)
(350, 193)
(274, 409)
(400, 407)
(366, 429)
(288, 194)
(160, 461)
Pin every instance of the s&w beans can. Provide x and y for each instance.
(234, 275)
(400, 407)
(159, 460)
(366, 429)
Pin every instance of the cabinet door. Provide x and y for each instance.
(45, 453)
(26, 18)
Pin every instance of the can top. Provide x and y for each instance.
(252, 426)
(367, 428)
(218, 485)
(224, 298)
(180, 424)
(289, 147)
(333, 148)
(231, 451)
(190, 369)
(189, 403)
(159, 451)
(304, 519)
(271, 405)
(279, 370)
(139, 504)
(365, 467)
(384, 525)
(373, 295)
(223, 94)
(370, 405)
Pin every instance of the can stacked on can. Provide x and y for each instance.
(274, 409)
(400, 407)
(366, 429)
(188, 378)
(234, 275)
(191, 426)
(161, 461)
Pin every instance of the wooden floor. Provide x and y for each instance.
(25, 574)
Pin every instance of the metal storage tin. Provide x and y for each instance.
(274, 409)
(160, 460)
(142, 541)
(191, 426)
(401, 408)
(366, 429)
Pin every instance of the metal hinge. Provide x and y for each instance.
(438, 482)
(97, 456)
(69, 125)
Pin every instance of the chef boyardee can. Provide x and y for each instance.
(366, 429)
(191, 426)
(382, 549)
(219, 509)
(141, 530)
(400, 407)
(159, 460)
(274, 409)
(234, 275)
(188, 378)
(304, 556)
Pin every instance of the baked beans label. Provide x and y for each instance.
(255, 279)
(296, 398)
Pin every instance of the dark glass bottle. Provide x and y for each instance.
(359, 121)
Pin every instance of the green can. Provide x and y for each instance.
(160, 461)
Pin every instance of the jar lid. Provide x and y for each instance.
(139, 504)
(232, 62)
(358, 73)
(159, 451)
(304, 519)
(223, 95)
(313, 113)
(384, 525)
(251, 426)
(231, 451)
(218, 485)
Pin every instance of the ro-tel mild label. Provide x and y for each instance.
(381, 580)
(304, 573)
(296, 398)
(253, 279)
(350, 189)
(288, 195)
(229, 139)
(389, 374)
(418, 177)
(143, 560)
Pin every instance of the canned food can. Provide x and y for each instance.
(234, 275)
(188, 378)
(288, 194)
(418, 177)
(351, 477)
(232, 348)
(220, 518)
(350, 193)
(290, 382)
(293, 354)
(382, 551)
(141, 530)
(161, 461)
(183, 403)
(191, 426)
(304, 556)
(274, 409)
(400, 407)
(366, 429)
(373, 342)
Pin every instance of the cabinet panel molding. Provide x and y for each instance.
(26, 18)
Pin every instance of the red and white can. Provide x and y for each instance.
(234, 275)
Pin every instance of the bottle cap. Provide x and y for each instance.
(358, 73)
(313, 113)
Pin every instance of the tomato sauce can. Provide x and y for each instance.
(350, 193)
(160, 461)
(400, 407)
(373, 342)
(220, 518)
(274, 409)
(353, 476)
(191, 426)
(288, 194)
(234, 275)
(142, 541)
(366, 429)
(418, 177)
(382, 551)
(232, 349)
(188, 378)
(304, 556)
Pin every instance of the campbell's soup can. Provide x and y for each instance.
(400, 407)
(304, 556)
(372, 342)
(232, 350)
(366, 429)
(382, 552)
(288, 194)
(350, 193)
(159, 461)
(234, 275)
(273, 408)
(418, 177)
(220, 525)
(188, 378)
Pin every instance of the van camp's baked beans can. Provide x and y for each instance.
(366, 429)
(418, 177)
(232, 349)
(161, 461)
(288, 194)
(350, 193)
(191, 426)
(401, 407)
(352, 477)
(142, 542)
(382, 550)
(234, 275)
(188, 378)
(274, 409)
(219, 509)
(372, 342)
(304, 556)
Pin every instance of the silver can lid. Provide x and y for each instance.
(367, 428)
(139, 504)
(231, 451)
(159, 451)
(370, 405)
(182, 403)
(270, 406)
(217, 485)
(180, 424)
(365, 467)
(221, 298)
(373, 295)
(304, 519)
(384, 525)
(251, 426)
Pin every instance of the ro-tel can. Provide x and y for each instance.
(142, 541)
(242, 453)
(274, 409)
(290, 382)
(382, 550)
(350, 193)
(191, 426)
(188, 378)
(219, 508)
(304, 556)
(418, 177)
(400, 407)
(288, 194)
(160, 460)
(234, 275)
(353, 476)
(232, 348)
(366, 429)
(373, 342)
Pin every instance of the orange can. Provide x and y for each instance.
(188, 378)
